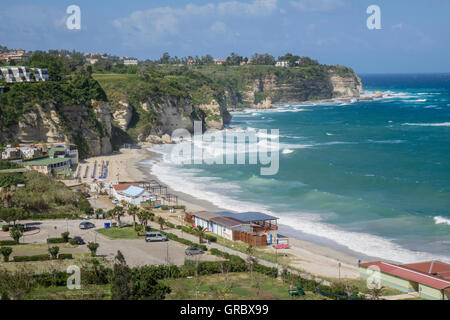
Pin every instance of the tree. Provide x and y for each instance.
(132, 211)
(93, 246)
(145, 285)
(251, 260)
(121, 282)
(200, 231)
(6, 252)
(376, 292)
(118, 212)
(161, 222)
(16, 234)
(53, 251)
(234, 59)
(263, 59)
(65, 236)
(15, 284)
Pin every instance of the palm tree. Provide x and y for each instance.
(132, 211)
(118, 212)
(200, 232)
(161, 222)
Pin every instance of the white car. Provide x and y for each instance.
(115, 201)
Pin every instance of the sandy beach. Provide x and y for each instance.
(127, 166)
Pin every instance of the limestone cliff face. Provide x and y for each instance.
(270, 89)
(86, 126)
(345, 87)
(216, 115)
(123, 114)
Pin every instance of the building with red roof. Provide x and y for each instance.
(430, 279)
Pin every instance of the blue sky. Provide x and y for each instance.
(414, 36)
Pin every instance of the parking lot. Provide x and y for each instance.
(136, 251)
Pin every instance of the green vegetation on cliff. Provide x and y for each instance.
(41, 195)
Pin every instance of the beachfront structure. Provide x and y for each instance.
(49, 165)
(15, 74)
(133, 195)
(64, 151)
(430, 279)
(250, 227)
(21, 152)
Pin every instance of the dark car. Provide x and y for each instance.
(87, 225)
(79, 240)
(191, 251)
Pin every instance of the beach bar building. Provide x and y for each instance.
(430, 279)
(49, 165)
(132, 194)
(255, 228)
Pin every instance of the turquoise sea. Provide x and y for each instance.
(372, 177)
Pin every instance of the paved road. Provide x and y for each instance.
(136, 251)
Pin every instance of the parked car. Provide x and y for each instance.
(79, 240)
(191, 251)
(155, 236)
(87, 225)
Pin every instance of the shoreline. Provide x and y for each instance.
(317, 259)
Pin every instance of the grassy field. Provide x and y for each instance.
(89, 292)
(238, 286)
(265, 253)
(119, 233)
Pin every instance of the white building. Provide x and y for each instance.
(282, 64)
(130, 62)
(133, 194)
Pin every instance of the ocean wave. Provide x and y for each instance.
(364, 243)
(212, 189)
(287, 151)
(443, 124)
(441, 220)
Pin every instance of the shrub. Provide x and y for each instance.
(210, 238)
(65, 236)
(73, 242)
(8, 243)
(268, 271)
(54, 251)
(63, 256)
(40, 257)
(56, 240)
(57, 278)
(170, 225)
(93, 246)
(6, 252)
(5, 228)
(139, 228)
(179, 227)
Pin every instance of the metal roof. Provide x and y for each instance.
(226, 222)
(248, 216)
(205, 215)
(133, 191)
(412, 275)
(45, 161)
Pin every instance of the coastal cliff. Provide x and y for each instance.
(102, 112)
(266, 87)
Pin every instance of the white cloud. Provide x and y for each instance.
(219, 27)
(317, 5)
(158, 24)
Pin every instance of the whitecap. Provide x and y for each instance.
(441, 220)
(287, 151)
(443, 124)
